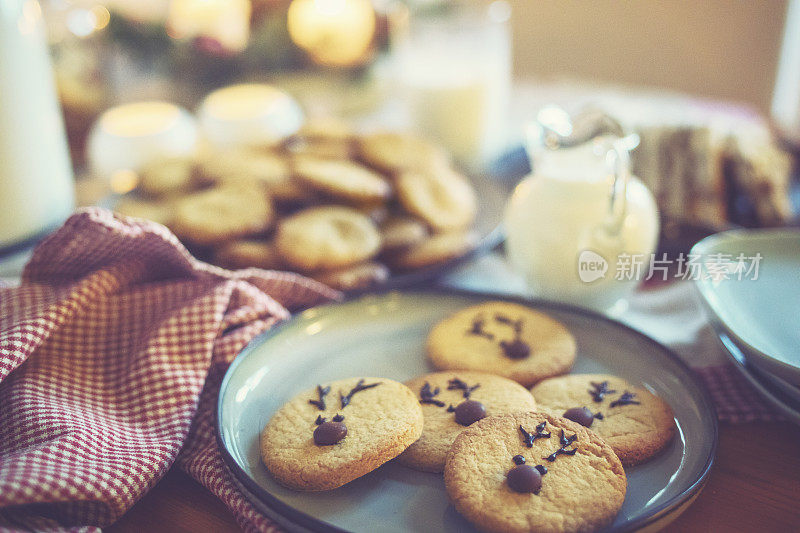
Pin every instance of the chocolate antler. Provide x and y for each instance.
(600, 390)
(529, 438)
(627, 398)
(516, 325)
(477, 328)
(457, 384)
(427, 395)
(515, 348)
(565, 441)
(321, 392)
(345, 400)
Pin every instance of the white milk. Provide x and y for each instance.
(36, 185)
(456, 79)
(557, 214)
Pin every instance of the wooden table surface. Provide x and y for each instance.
(754, 486)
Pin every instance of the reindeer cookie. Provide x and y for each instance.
(337, 432)
(534, 472)
(451, 402)
(634, 422)
(502, 338)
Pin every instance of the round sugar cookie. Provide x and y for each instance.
(160, 211)
(357, 277)
(336, 432)
(444, 199)
(217, 215)
(343, 180)
(433, 250)
(503, 338)
(244, 165)
(167, 177)
(526, 472)
(451, 402)
(401, 232)
(248, 253)
(636, 423)
(327, 238)
(392, 152)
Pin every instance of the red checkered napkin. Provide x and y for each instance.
(111, 354)
(736, 400)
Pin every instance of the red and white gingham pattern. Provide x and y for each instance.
(736, 400)
(111, 354)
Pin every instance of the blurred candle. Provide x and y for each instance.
(332, 32)
(226, 21)
(249, 115)
(127, 138)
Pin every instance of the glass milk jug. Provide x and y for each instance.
(36, 186)
(576, 225)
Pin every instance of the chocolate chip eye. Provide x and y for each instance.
(518, 460)
(469, 411)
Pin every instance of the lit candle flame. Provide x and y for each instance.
(332, 32)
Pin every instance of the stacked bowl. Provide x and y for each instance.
(750, 285)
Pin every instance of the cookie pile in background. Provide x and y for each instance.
(343, 208)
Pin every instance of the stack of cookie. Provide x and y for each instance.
(547, 458)
(343, 208)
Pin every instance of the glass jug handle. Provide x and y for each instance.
(618, 163)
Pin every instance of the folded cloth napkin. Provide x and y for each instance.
(112, 350)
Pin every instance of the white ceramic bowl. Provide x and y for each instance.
(762, 316)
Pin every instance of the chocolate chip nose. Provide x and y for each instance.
(469, 411)
(524, 478)
(329, 433)
(581, 415)
(515, 349)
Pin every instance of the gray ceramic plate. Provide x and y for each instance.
(384, 335)
(762, 316)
